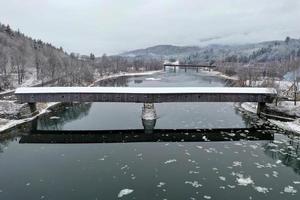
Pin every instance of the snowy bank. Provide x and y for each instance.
(219, 74)
(6, 124)
(286, 108)
(123, 74)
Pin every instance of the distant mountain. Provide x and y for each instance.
(258, 52)
(162, 50)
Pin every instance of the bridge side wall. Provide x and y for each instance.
(145, 98)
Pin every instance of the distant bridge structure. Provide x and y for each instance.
(186, 66)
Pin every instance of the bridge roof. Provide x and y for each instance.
(146, 90)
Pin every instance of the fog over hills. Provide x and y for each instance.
(258, 52)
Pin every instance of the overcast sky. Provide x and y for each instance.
(115, 26)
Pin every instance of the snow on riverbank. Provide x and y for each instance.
(219, 74)
(124, 74)
(6, 124)
(287, 108)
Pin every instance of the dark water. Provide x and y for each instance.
(33, 167)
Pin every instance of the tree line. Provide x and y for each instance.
(24, 60)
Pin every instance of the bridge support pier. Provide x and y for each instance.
(149, 117)
(261, 106)
(185, 69)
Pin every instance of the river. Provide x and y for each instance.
(100, 151)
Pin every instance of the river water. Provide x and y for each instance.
(100, 151)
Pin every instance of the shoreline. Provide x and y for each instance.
(10, 124)
(291, 126)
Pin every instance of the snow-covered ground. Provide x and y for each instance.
(6, 124)
(285, 107)
(219, 74)
(122, 74)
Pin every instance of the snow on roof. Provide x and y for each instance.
(146, 90)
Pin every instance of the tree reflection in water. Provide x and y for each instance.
(286, 150)
(64, 114)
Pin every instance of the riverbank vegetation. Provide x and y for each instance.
(26, 61)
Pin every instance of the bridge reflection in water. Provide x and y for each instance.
(140, 135)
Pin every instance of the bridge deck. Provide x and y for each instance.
(189, 65)
(145, 94)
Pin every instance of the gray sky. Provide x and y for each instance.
(115, 26)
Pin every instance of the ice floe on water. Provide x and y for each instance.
(267, 165)
(237, 164)
(261, 189)
(170, 161)
(161, 184)
(124, 192)
(275, 174)
(195, 184)
(243, 181)
(206, 197)
(231, 186)
(290, 189)
(253, 146)
(54, 117)
(278, 161)
(296, 182)
(205, 138)
(152, 79)
(124, 167)
(222, 178)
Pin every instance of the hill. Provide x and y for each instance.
(259, 52)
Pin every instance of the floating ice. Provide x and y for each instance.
(54, 117)
(244, 181)
(278, 161)
(272, 145)
(296, 182)
(267, 175)
(170, 161)
(275, 174)
(204, 138)
(195, 184)
(153, 79)
(193, 172)
(125, 167)
(222, 178)
(124, 192)
(161, 184)
(261, 189)
(206, 197)
(290, 189)
(28, 184)
(237, 163)
(253, 146)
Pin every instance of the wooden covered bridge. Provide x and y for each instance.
(147, 94)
